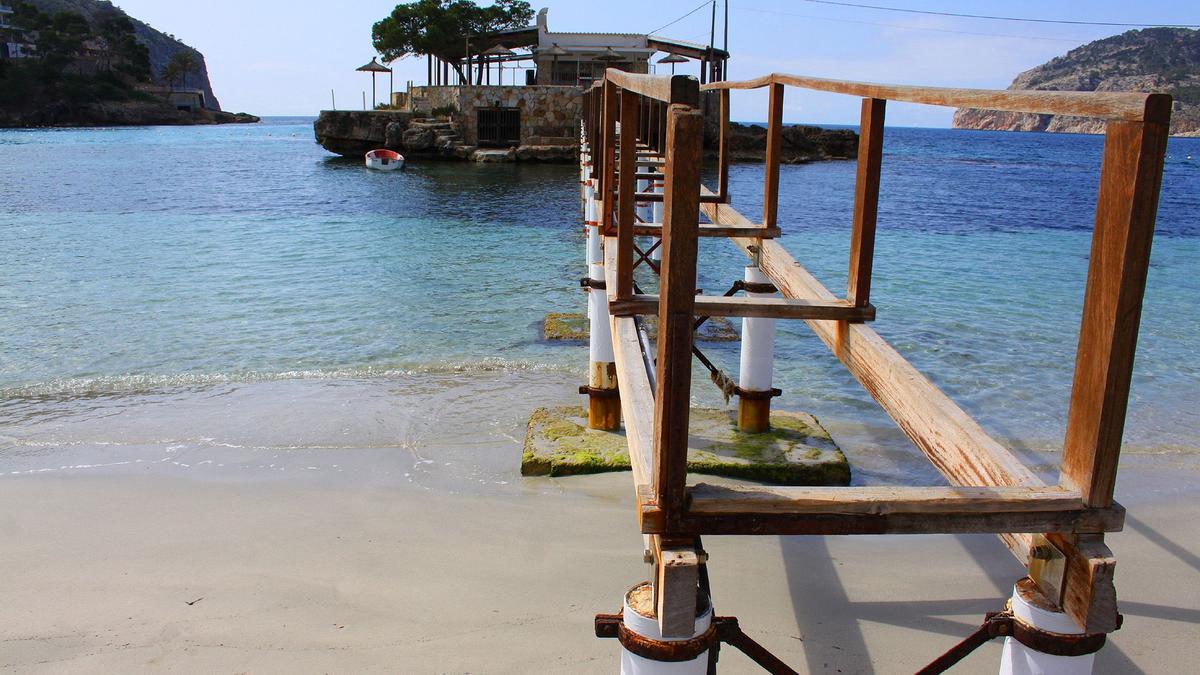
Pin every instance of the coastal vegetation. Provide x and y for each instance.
(1164, 60)
(88, 63)
(442, 27)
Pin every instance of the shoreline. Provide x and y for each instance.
(125, 572)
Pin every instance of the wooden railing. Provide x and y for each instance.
(655, 120)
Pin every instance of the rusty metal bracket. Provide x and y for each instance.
(723, 629)
(1004, 624)
(599, 393)
(750, 395)
(595, 284)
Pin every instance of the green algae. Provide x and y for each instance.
(565, 326)
(569, 326)
(796, 451)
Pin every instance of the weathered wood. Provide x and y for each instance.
(676, 584)
(866, 201)
(627, 186)
(707, 230)
(681, 214)
(707, 499)
(723, 148)
(774, 148)
(1130, 178)
(1089, 595)
(683, 89)
(766, 308)
(956, 444)
(633, 381)
(657, 197)
(1070, 521)
(1131, 107)
(607, 171)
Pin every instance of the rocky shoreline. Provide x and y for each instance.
(122, 114)
(353, 133)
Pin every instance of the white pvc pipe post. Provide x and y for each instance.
(600, 340)
(758, 342)
(1017, 659)
(632, 664)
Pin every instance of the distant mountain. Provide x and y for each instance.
(1164, 60)
(162, 46)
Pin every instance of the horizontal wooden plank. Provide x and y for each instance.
(657, 197)
(1071, 521)
(708, 230)
(710, 499)
(767, 308)
(1128, 106)
(683, 89)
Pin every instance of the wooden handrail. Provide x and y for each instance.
(683, 89)
(1127, 106)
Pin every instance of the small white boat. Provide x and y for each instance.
(385, 160)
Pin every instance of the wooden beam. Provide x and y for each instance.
(633, 381)
(657, 197)
(1130, 178)
(607, 169)
(683, 89)
(1092, 521)
(707, 230)
(626, 186)
(705, 499)
(1131, 107)
(766, 308)
(677, 281)
(774, 147)
(1089, 595)
(677, 580)
(723, 148)
(866, 202)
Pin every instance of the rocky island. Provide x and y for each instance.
(88, 63)
(1165, 60)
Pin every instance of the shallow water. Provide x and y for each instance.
(200, 263)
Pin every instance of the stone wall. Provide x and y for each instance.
(549, 114)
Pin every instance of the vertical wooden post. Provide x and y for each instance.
(774, 147)
(609, 120)
(677, 301)
(866, 201)
(723, 156)
(1130, 177)
(630, 107)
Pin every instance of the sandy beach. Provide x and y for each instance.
(434, 556)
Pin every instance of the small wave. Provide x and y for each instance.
(148, 382)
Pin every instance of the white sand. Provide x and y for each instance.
(432, 555)
(96, 574)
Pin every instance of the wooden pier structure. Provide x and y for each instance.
(650, 128)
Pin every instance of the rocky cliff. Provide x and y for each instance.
(1165, 60)
(161, 45)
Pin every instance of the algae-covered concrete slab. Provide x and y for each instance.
(573, 326)
(797, 450)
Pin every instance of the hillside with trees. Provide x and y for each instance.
(87, 62)
(1162, 60)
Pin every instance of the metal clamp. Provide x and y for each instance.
(594, 284)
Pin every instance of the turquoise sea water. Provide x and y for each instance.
(137, 261)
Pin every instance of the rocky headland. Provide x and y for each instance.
(1165, 60)
(95, 65)
(800, 143)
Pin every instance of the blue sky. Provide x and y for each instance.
(282, 57)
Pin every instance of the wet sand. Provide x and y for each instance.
(299, 557)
